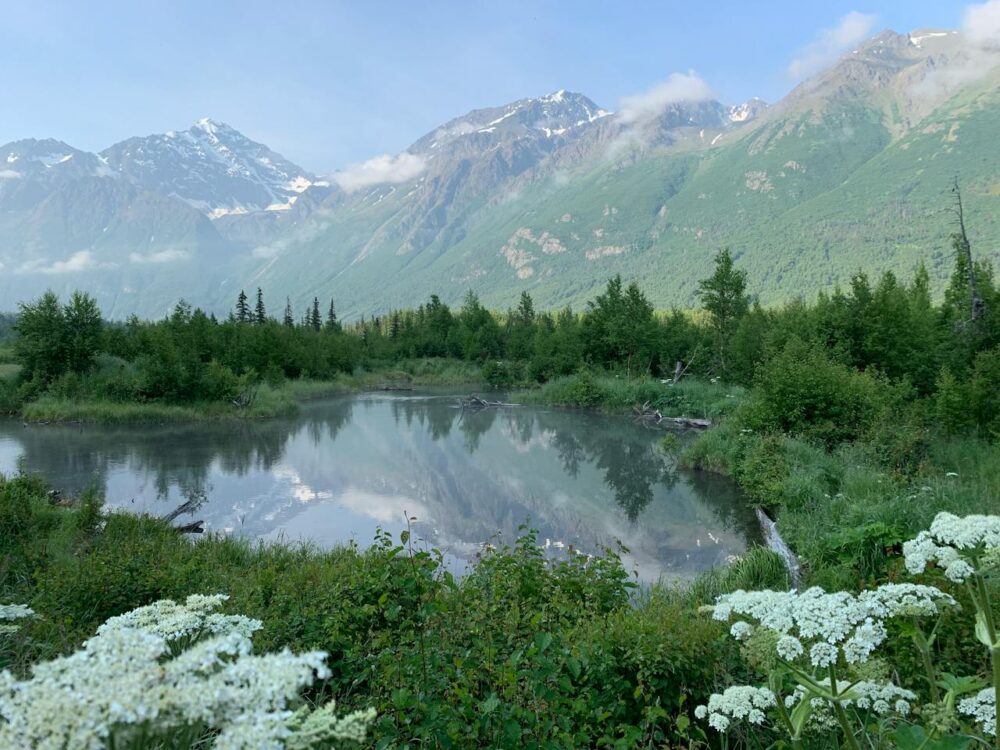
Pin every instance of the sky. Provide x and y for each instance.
(330, 84)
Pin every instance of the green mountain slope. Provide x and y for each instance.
(852, 171)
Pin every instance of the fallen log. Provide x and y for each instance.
(195, 527)
(643, 412)
(474, 403)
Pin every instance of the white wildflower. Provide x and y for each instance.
(982, 707)
(954, 543)
(823, 654)
(906, 600)
(789, 647)
(881, 698)
(15, 611)
(134, 673)
(958, 571)
(737, 703)
(741, 630)
(828, 624)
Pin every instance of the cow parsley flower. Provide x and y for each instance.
(135, 673)
(789, 647)
(982, 707)
(948, 540)
(741, 630)
(737, 703)
(11, 613)
(829, 625)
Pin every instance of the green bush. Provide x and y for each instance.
(803, 392)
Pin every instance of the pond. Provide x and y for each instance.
(347, 466)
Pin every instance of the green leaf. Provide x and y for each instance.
(914, 738)
(543, 641)
(800, 715)
(983, 633)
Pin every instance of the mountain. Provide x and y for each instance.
(851, 171)
(69, 221)
(212, 167)
(551, 195)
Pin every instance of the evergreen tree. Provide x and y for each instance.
(260, 314)
(314, 318)
(289, 319)
(724, 297)
(331, 318)
(242, 308)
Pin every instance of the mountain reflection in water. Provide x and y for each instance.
(348, 466)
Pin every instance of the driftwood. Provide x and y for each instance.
(477, 403)
(390, 387)
(245, 398)
(644, 413)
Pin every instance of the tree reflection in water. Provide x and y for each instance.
(351, 461)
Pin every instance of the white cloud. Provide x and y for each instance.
(9, 174)
(163, 256)
(79, 261)
(981, 24)
(679, 87)
(307, 232)
(830, 44)
(381, 170)
(980, 54)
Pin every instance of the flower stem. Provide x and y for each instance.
(925, 654)
(841, 714)
(787, 721)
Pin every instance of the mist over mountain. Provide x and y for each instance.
(551, 194)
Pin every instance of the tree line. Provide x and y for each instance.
(885, 326)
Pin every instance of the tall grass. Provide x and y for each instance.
(689, 398)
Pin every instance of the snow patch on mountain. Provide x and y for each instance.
(212, 167)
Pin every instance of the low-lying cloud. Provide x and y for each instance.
(381, 170)
(9, 174)
(163, 256)
(978, 56)
(678, 87)
(830, 44)
(83, 260)
(981, 25)
(317, 224)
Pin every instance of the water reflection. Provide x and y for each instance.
(348, 466)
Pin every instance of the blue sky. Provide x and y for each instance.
(332, 83)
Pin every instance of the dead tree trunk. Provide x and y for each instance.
(963, 246)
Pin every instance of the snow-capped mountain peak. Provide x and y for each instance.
(748, 110)
(559, 114)
(213, 167)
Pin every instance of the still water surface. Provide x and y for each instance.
(347, 466)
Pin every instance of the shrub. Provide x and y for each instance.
(801, 391)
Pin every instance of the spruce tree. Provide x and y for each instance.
(289, 320)
(331, 318)
(242, 308)
(315, 320)
(260, 314)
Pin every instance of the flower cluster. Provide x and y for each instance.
(950, 542)
(737, 703)
(131, 677)
(982, 707)
(828, 625)
(12, 612)
(882, 699)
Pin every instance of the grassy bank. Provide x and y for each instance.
(844, 511)
(269, 401)
(689, 398)
(520, 652)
